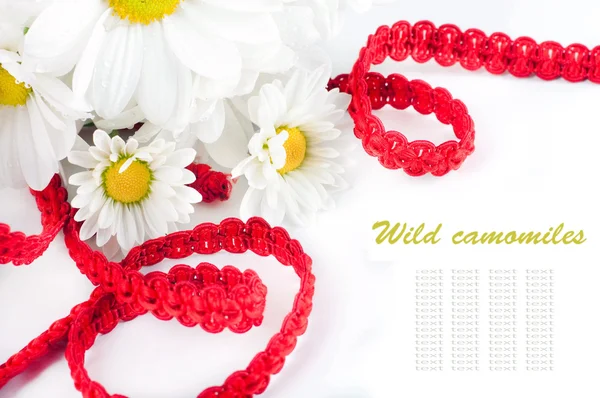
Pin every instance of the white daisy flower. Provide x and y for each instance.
(38, 115)
(158, 54)
(295, 158)
(131, 192)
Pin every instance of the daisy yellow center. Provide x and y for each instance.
(143, 11)
(11, 92)
(130, 186)
(295, 149)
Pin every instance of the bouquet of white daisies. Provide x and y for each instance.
(238, 82)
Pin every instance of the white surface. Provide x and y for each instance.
(536, 165)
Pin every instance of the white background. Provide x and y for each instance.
(536, 165)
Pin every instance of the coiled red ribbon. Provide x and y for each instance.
(20, 249)
(206, 296)
(447, 45)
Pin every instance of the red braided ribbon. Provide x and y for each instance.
(157, 292)
(497, 53)
(203, 296)
(447, 45)
(417, 158)
(20, 249)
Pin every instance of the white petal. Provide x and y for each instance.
(168, 174)
(271, 196)
(97, 154)
(81, 201)
(271, 106)
(248, 5)
(102, 237)
(81, 178)
(209, 130)
(125, 120)
(183, 207)
(187, 178)
(275, 101)
(37, 157)
(146, 132)
(98, 200)
(82, 214)
(270, 58)
(49, 116)
(118, 218)
(247, 83)
(340, 100)
(167, 209)
(319, 174)
(84, 70)
(232, 147)
(240, 169)
(251, 203)
(318, 79)
(235, 25)
(138, 217)
(127, 232)
(273, 214)
(59, 96)
(278, 156)
(118, 71)
(131, 146)
(10, 167)
(107, 215)
(157, 162)
(190, 195)
(87, 188)
(302, 190)
(210, 89)
(153, 215)
(279, 139)
(89, 227)
(111, 249)
(126, 165)
(9, 57)
(62, 140)
(163, 189)
(211, 57)
(270, 172)
(145, 156)
(297, 26)
(255, 176)
(181, 118)
(117, 145)
(59, 29)
(256, 146)
(295, 88)
(286, 194)
(329, 153)
(181, 158)
(318, 128)
(102, 141)
(157, 91)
